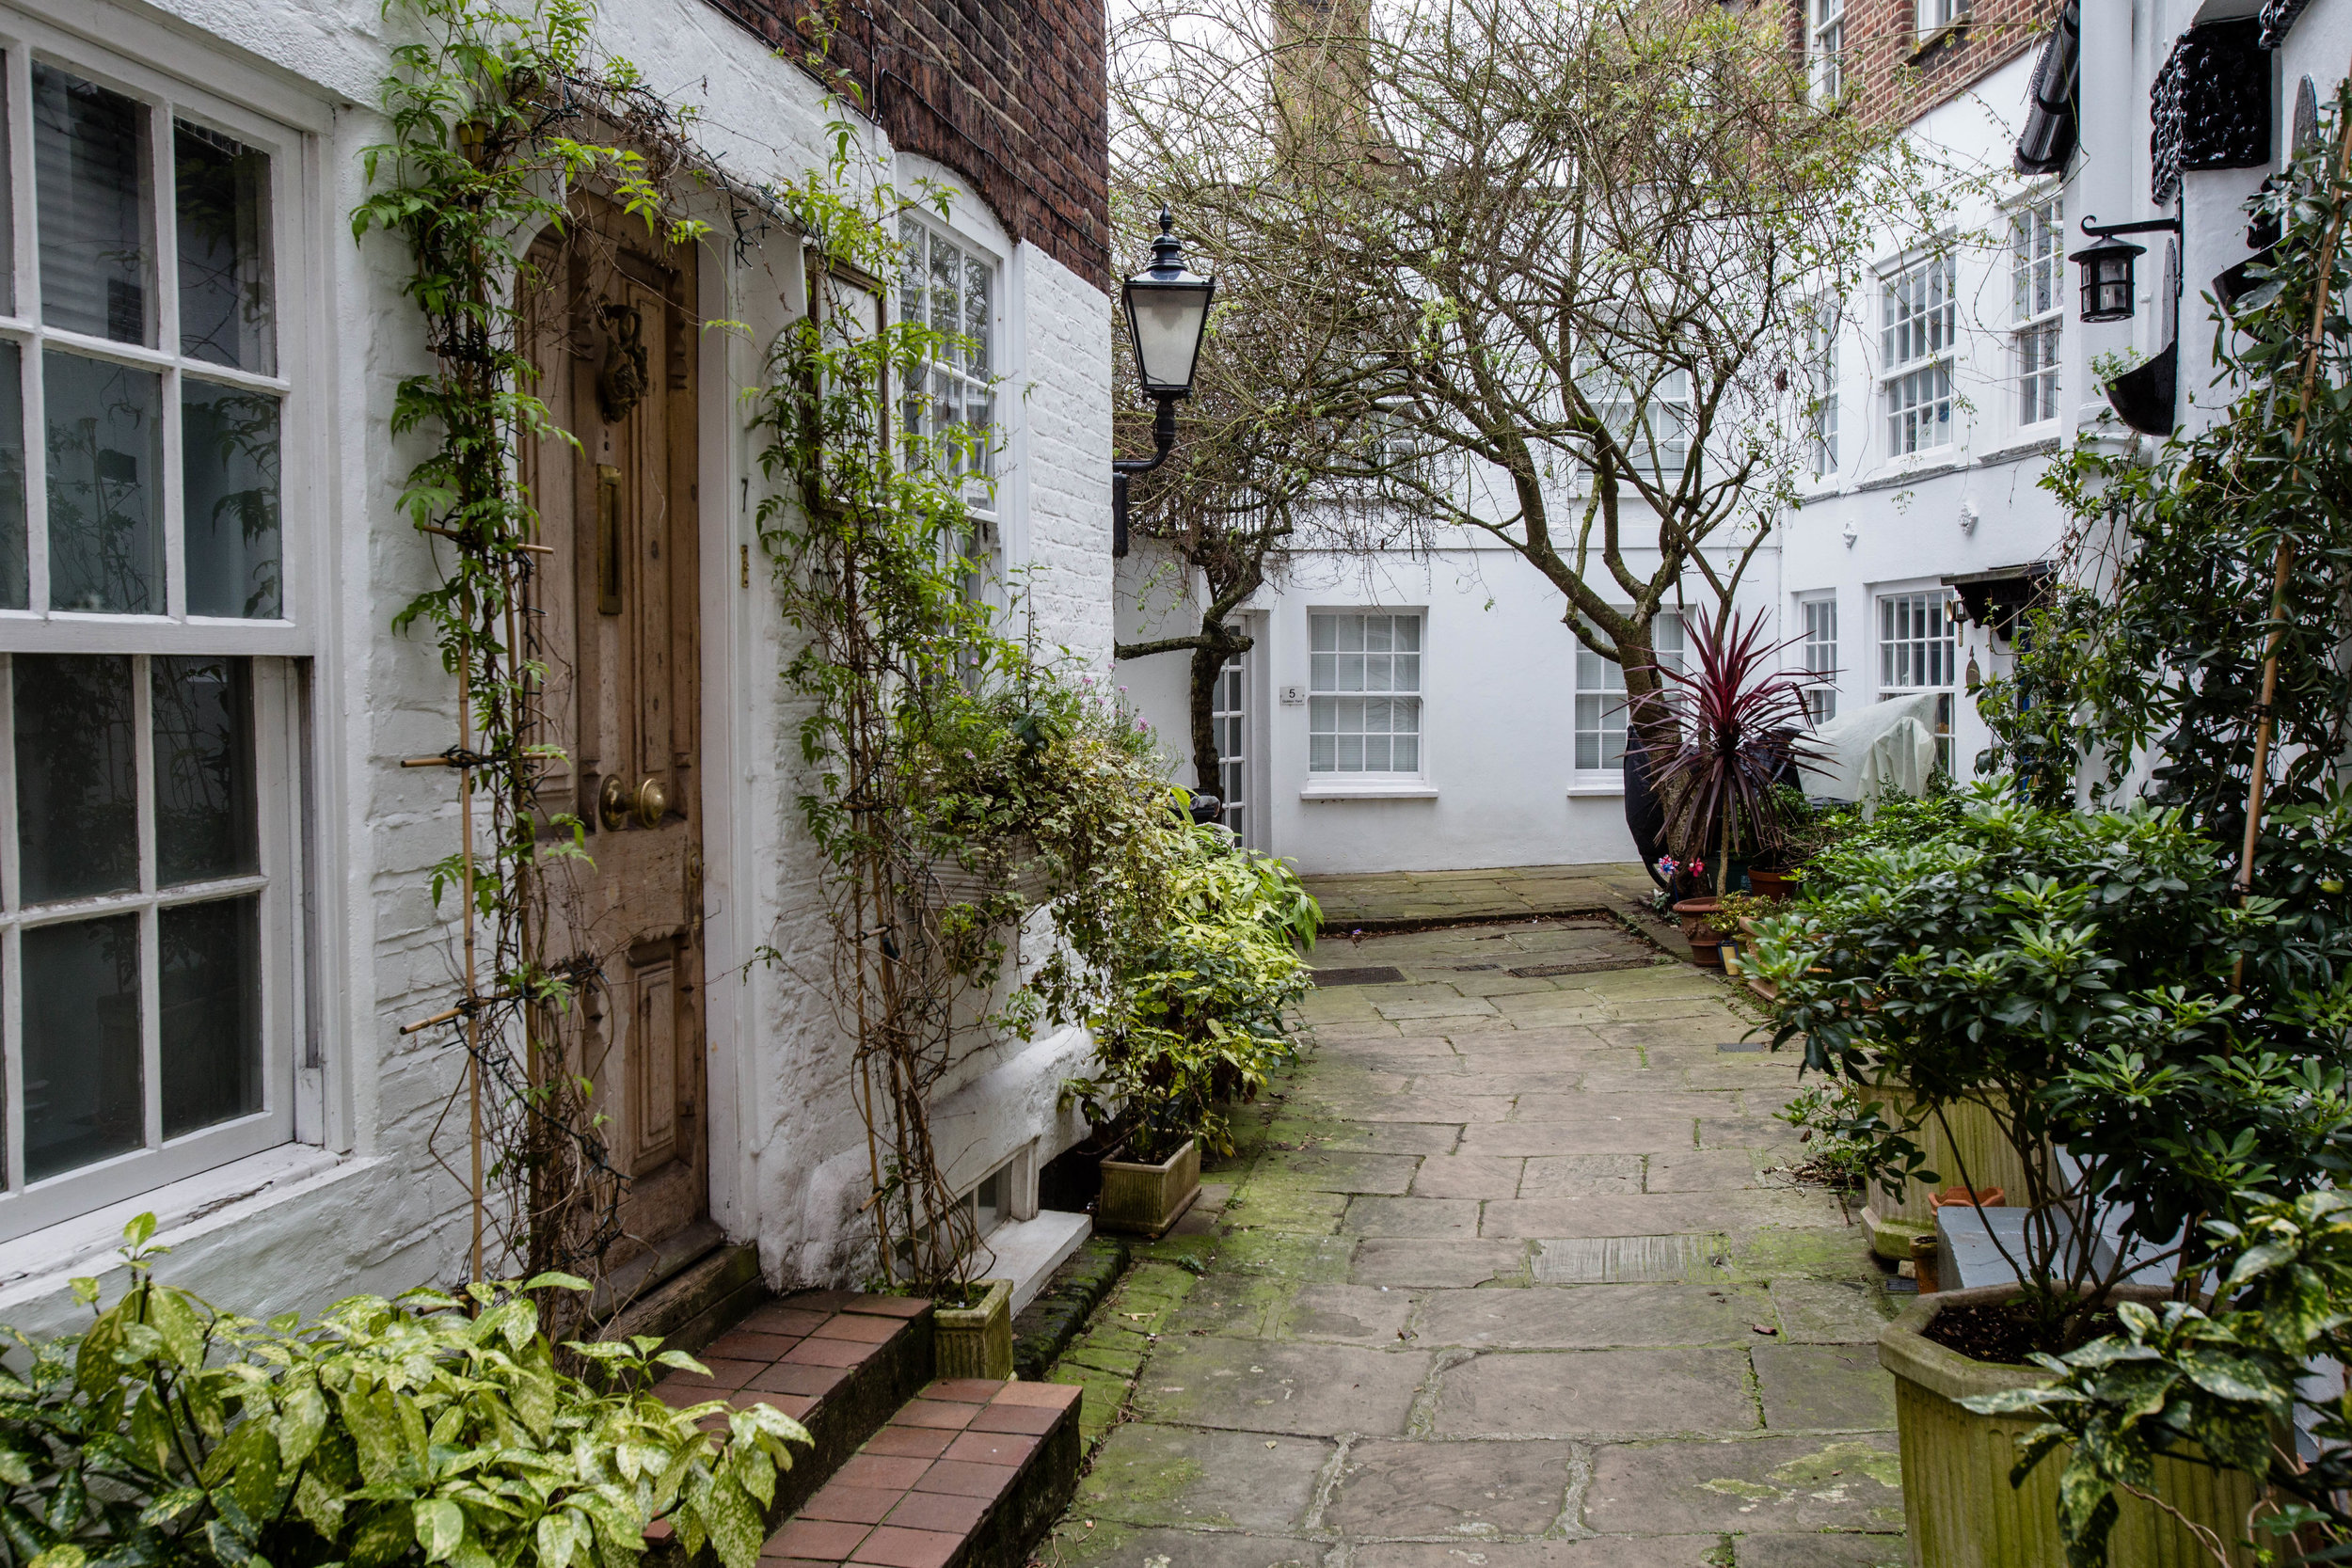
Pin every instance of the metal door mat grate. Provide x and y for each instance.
(1632, 1260)
(1369, 974)
(1581, 966)
(1741, 1045)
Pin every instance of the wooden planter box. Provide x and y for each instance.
(1980, 1145)
(1144, 1200)
(1958, 1508)
(976, 1341)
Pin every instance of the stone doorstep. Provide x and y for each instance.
(836, 1361)
(970, 1474)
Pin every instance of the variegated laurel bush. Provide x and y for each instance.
(432, 1428)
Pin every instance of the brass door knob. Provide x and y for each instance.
(617, 805)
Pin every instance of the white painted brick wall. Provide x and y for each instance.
(388, 1215)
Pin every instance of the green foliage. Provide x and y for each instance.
(482, 165)
(2071, 973)
(1846, 1135)
(429, 1428)
(2222, 1385)
(1197, 1021)
(2152, 654)
(958, 777)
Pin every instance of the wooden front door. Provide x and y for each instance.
(615, 603)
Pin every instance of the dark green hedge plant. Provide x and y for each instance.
(434, 1428)
(2069, 972)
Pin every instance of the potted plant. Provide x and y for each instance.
(1194, 1022)
(972, 1329)
(1738, 725)
(2070, 977)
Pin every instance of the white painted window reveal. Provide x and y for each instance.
(1917, 343)
(149, 900)
(1919, 652)
(2037, 307)
(1363, 693)
(1821, 656)
(1601, 705)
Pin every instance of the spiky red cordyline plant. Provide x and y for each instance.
(1740, 724)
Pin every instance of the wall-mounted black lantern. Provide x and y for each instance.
(1168, 314)
(2107, 266)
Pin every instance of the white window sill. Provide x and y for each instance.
(1369, 789)
(1596, 786)
(2033, 440)
(185, 1210)
(1910, 470)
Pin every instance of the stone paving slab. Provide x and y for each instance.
(1388, 1489)
(1770, 1484)
(1610, 1392)
(1599, 1317)
(1254, 1386)
(1509, 1276)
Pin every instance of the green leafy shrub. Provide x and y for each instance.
(434, 1428)
(1196, 1021)
(2072, 973)
(2227, 1385)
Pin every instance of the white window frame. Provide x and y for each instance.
(1336, 780)
(1825, 49)
(1937, 17)
(2037, 255)
(1822, 415)
(1816, 620)
(283, 127)
(1919, 319)
(1598, 710)
(1911, 654)
(967, 383)
(1660, 453)
(1229, 719)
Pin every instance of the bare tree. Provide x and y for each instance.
(1562, 257)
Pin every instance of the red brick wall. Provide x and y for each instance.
(1011, 94)
(1889, 77)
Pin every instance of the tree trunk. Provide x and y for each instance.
(1208, 663)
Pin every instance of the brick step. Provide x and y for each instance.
(970, 1474)
(837, 1362)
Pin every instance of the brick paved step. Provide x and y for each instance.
(970, 1474)
(837, 1362)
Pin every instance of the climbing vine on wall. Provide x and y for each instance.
(498, 117)
(960, 779)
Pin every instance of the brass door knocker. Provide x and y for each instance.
(621, 384)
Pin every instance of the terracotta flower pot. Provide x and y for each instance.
(1958, 1508)
(1773, 885)
(975, 1340)
(1144, 1200)
(1706, 941)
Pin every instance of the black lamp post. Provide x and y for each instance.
(1168, 313)
(2106, 284)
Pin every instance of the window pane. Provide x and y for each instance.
(15, 591)
(210, 957)
(1320, 753)
(1351, 754)
(202, 710)
(222, 191)
(1351, 634)
(1324, 675)
(90, 154)
(229, 470)
(1323, 633)
(105, 519)
(84, 1100)
(76, 776)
